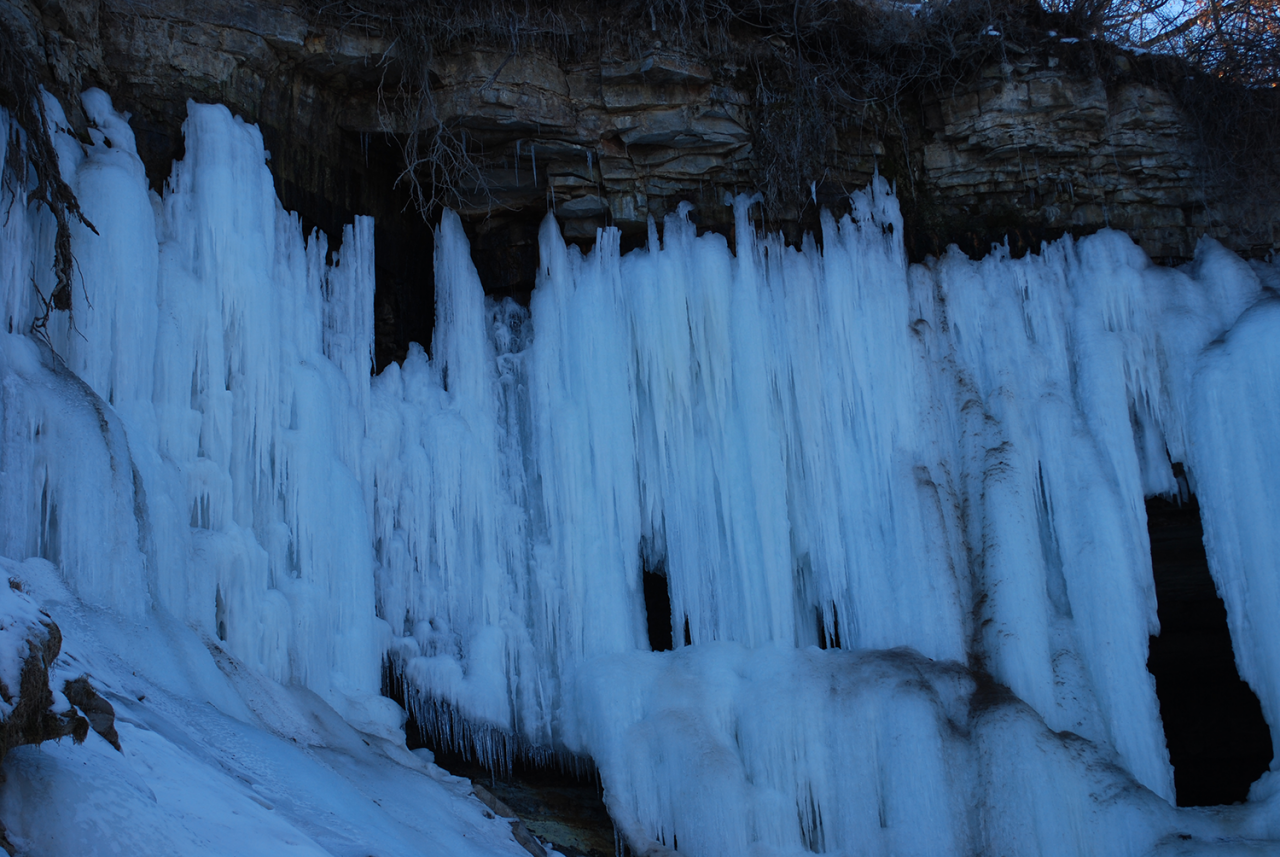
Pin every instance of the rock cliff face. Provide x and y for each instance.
(1031, 147)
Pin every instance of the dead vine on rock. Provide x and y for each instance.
(814, 65)
(442, 164)
(811, 60)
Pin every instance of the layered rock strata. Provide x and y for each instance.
(1031, 147)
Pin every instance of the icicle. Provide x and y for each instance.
(234, 502)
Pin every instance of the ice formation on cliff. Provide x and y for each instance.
(943, 466)
(190, 461)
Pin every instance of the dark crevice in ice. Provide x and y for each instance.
(557, 797)
(1218, 741)
(657, 607)
(828, 640)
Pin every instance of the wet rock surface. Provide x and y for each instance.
(545, 803)
(556, 807)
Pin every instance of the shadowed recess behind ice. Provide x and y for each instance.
(943, 465)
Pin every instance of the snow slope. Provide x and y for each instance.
(218, 759)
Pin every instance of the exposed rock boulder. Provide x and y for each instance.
(30, 710)
(100, 714)
(518, 829)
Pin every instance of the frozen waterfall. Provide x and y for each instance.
(942, 466)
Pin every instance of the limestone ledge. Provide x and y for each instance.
(620, 140)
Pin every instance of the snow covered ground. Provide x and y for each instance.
(217, 759)
(943, 466)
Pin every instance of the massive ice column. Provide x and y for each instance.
(815, 445)
(211, 464)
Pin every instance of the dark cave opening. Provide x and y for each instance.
(657, 608)
(1218, 742)
(557, 797)
(825, 640)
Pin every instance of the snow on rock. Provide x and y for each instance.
(23, 627)
(898, 510)
(217, 758)
(32, 709)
